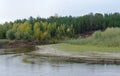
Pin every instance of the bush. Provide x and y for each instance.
(10, 34)
(108, 33)
(97, 35)
(109, 37)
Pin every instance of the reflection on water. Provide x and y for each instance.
(12, 65)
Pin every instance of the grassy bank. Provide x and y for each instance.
(76, 53)
(99, 43)
(86, 48)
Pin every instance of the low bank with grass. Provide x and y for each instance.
(101, 47)
(76, 53)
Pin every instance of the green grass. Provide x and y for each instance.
(85, 48)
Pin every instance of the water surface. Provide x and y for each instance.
(11, 65)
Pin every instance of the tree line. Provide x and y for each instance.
(57, 27)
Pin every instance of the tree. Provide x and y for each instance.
(37, 30)
(52, 29)
(61, 31)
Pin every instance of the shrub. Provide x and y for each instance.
(10, 34)
(97, 35)
(109, 37)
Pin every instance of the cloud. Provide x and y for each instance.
(14, 9)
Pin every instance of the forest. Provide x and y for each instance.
(57, 27)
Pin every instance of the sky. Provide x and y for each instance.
(11, 10)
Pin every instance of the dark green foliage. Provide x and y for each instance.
(10, 34)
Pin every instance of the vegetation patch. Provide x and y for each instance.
(85, 48)
(109, 38)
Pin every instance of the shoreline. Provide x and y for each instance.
(80, 59)
(49, 52)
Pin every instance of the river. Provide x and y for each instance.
(12, 65)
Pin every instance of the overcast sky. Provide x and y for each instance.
(17, 9)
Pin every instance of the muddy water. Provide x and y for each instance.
(12, 65)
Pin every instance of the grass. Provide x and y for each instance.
(89, 50)
(85, 48)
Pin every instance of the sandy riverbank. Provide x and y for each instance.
(98, 58)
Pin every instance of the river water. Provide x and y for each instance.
(11, 65)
